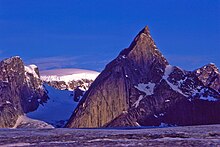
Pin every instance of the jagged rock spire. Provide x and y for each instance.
(140, 87)
(144, 49)
(109, 96)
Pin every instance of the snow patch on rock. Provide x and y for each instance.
(200, 92)
(69, 78)
(31, 69)
(148, 88)
(7, 102)
(208, 98)
(168, 70)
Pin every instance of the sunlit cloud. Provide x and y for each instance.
(84, 62)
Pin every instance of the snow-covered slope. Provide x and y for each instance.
(60, 105)
(58, 108)
(68, 75)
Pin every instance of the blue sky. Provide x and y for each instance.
(89, 33)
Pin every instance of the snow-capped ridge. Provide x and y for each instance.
(70, 78)
(168, 70)
(199, 92)
(68, 75)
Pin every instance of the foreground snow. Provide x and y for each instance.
(58, 108)
(172, 136)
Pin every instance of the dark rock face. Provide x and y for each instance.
(139, 87)
(33, 92)
(78, 93)
(20, 91)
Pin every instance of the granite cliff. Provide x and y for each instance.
(21, 90)
(140, 88)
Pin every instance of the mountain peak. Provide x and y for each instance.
(14, 58)
(211, 67)
(143, 49)
(140, 63)
(145, 30)
(139, 87)
(209, 75)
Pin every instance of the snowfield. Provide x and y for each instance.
(58, 108)
(68, 75)
(60, 104)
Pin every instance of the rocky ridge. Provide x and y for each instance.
(84, 84)
(21, 90)
(140, 88)
(209, 75)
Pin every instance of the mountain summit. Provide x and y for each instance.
(140, 88)
(209, 75)
(21, 90)
(144, 49)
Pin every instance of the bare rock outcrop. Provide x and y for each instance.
(209, 75)
(21, 90)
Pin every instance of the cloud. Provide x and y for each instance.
(97, 62)
(53, 62)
